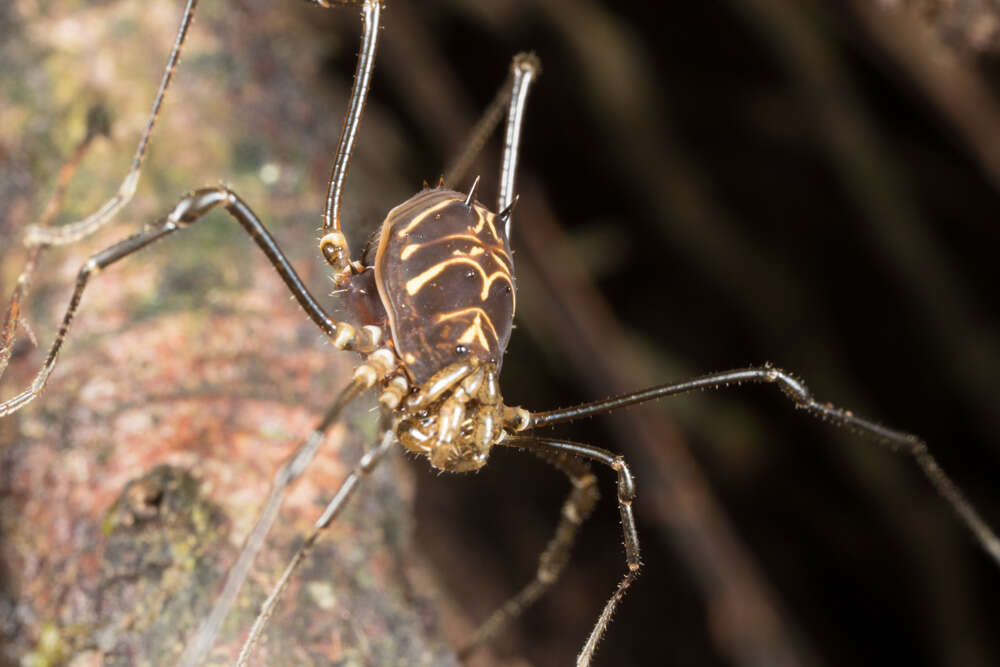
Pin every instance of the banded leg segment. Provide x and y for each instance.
(333, 244)
(98, 124)
(796, 391)
(75, 231)
(577, 508)
(188, 210)
(202, 642)
(626, 493)
(365, 466)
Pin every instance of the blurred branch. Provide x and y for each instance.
(893, 224)
(951, 84)
(964, 25)
(744, 614)
(621, 92)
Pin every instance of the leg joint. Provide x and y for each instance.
(197, 203)
(90, 267)
(790, 386)
(626, 485)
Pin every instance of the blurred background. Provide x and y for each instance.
(704, 186)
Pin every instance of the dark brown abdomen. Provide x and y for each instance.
(445, 276)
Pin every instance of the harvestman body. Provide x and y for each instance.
(431, 304)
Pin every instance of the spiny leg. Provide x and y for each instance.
(364, 467)
(74, 231)
(798, 393)
(578, 506)
(191, 208)
(98, 124)
(202, 642)
(626, 493)
(333, 245)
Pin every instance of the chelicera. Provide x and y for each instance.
(430, 305)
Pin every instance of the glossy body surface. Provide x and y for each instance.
(445, 275)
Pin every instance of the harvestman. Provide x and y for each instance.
(430, 308)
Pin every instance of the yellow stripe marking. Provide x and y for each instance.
(408, 250)
(485, 218)
(474, 334)
(414, 285)
(501, 258)
(423, 216)
(476, 324)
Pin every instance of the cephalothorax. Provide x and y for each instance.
(430, 307)
(444, 276)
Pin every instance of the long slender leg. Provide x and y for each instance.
(202, 642)
(191, 208)
(333, 245)
(626, 493)
(578, 506)
(98, 125)
(74, 231)
(525, 69)
(364, 467)
(798, 393)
